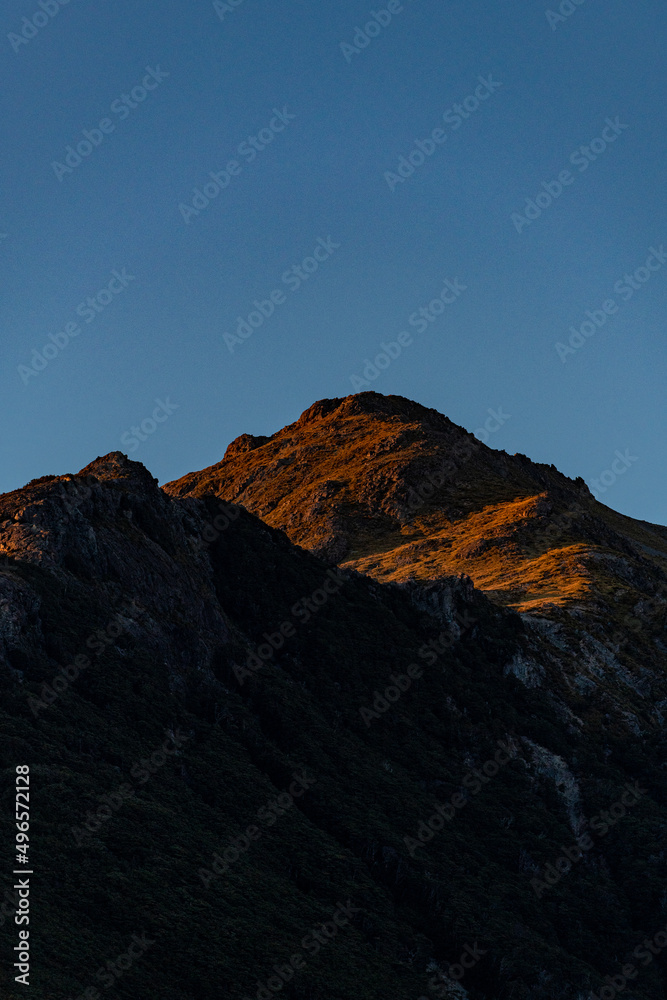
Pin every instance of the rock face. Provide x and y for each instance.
(231, 739)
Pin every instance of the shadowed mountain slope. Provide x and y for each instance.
(171, 665)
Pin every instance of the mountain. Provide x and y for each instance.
(256, 770)
(397, 491)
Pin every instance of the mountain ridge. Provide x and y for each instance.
(362, 478)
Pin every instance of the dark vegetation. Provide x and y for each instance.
(174, 668)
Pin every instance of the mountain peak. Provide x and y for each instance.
(395, 490)
(369, 404)
(116, 466)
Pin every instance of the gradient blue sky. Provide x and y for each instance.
(163, 336)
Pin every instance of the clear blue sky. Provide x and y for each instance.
(322, 177)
